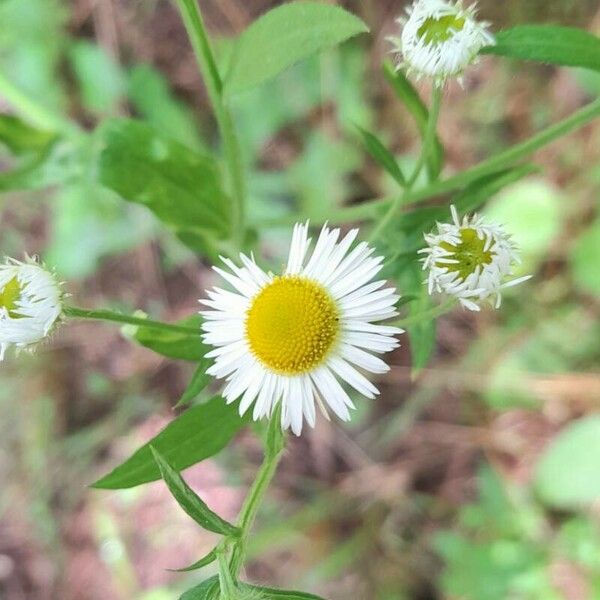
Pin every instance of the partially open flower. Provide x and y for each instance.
(30, 303)
(471, 260)
(288, 338)
(440, 39)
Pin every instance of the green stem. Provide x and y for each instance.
(371, 209)
(196, 29)
(228, 590)
(273, 451)
(113, 317)
(33, 112)
(428, 140)
(427, 315)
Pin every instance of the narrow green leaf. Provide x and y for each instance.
(20, 138)
(553, 44)
(181, 187)
(284, 36)
(174, 344)
(191, 503)
(276, 594)
(199, 433)
(200, 379)
(568, 474)
(382, 155)
(207, 590)
(206, 560)
(411, 99)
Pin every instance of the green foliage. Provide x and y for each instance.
(565, 46)
(567, 475)
(284, 36)
(411, 99)
(198, 433)
(205, 560)
(191, 503)
(21, 138)
(101, 82)
(182, 188)
(585, 258)
(382, 155)
(175, 344)
(200, 379)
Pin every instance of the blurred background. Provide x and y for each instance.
(478, 479)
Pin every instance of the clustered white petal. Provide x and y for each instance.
(488, 265)
(346, 276)
(440, 39)
(35, 303)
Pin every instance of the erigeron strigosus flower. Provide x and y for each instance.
(470, 259)
(30, 303)
(440, 39)
(290, 337)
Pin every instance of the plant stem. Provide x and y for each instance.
(196, 29)
(35, 113)
(428, 140)
(370, 209)
(273, 450)
(227, 586)
(108, 315)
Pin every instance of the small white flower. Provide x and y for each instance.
(289, 337)
(440, 39)
(470, 259)
(30, 303)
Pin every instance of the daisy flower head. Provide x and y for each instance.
(291, 337)
(440, 39)
(470, 259)
(30, 303)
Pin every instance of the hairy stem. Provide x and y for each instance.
(194, 24)
(273, 450)
(114, 317)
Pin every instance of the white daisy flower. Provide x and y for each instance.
(470, 259)
(30, 303)
(290, 337)
(440, 39)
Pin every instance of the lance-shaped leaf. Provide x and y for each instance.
(207, 590)
(205, 560)
(411, 99)
(553, 44)
(191, 503)
(382, 155)
(284, 36)
(199, 433)
(200, 379)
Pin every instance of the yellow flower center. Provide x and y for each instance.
(8, 297)
(469, 253)
(292, 324)
(437, 31)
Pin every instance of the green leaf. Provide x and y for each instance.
(411, 99)
(200, 379)
(191, 503)
(174, 344)
(276, 594)
(566, 46)
(21, 138)
(101, 81)
(585, 258)
(205, 560)
(207, 590)
(150, 94)
(199, 433)
(382, 155)
(182, 188)
(284, 36)
(568, 474)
